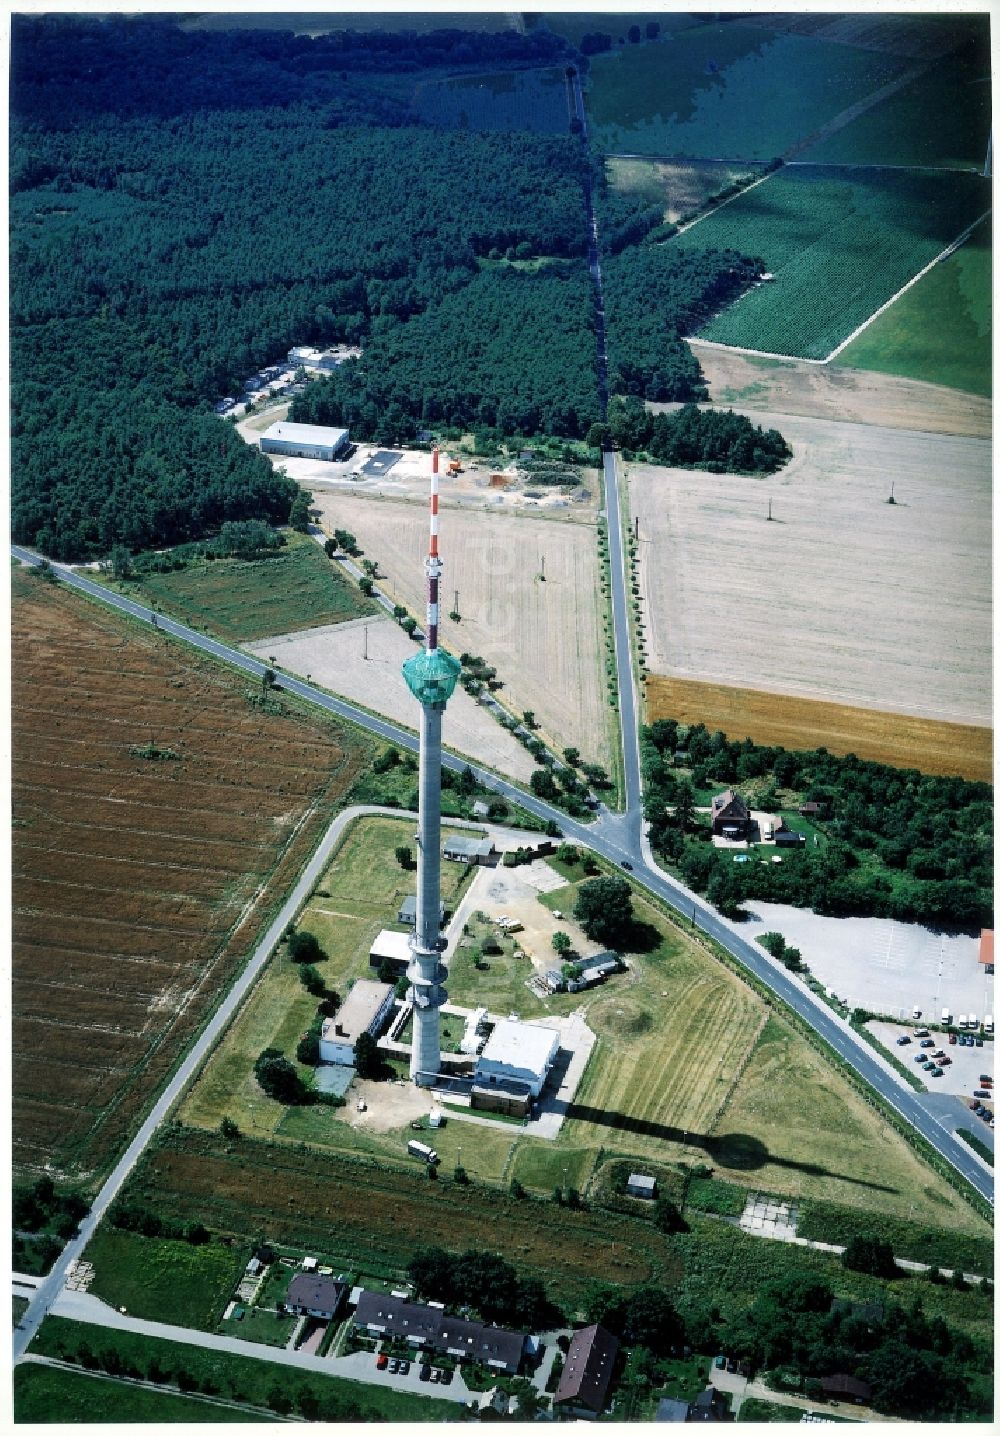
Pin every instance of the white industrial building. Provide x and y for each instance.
(518, 1051)
(392, 947)
(365, 1009)
(304, 441)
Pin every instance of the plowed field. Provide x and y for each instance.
(951, 749)
(139, 886)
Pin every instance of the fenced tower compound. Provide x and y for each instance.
(431, 676)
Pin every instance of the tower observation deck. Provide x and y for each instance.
(431, 676)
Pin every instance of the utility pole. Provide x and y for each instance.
(542, 572)
(892, 493)
(769, 510)
(637, 528)
(364, 640)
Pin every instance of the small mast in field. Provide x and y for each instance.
(431, 676)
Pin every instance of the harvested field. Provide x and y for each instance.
(950, 749)
(335, 658)
(544, 638)
(789, 386)
(138, 886)
(844, 597)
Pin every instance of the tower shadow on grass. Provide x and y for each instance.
(737, 1151)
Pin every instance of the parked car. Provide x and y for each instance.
(979, 1042)
(921, 1057)
(944, 1061)
(937, 1054)
(393, 1365)
(934, 1071)
(981, 1092)
(903, 1041)
(435, 1374)
(446, 1375)
(952, 1038)
(927, 1042)
(404, 1367)
(381, 1361)
(921, 1032)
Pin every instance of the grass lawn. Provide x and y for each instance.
(500, 987)
(795, 1126)
(359, 894)
(167, 1281)
(246, 1378)
(241, 599)
(543, 1166)
(266, 1327)
(711, 92)
(939, 331)
(51, 1395)
(754, 1409)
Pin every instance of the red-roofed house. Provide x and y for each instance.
(583, 1385)
(986, 948)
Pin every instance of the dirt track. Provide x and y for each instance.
(843, 596)
(831, 391)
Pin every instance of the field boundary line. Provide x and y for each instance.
(801, 358)
(741, 1067)
(683, 228)
(949, 249)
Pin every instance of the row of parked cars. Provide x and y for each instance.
(399, 1365)
(982, 1112)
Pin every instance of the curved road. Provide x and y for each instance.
(616, 837)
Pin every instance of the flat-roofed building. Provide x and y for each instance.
(518, 1051)
(392, 947)
(365, 1009)
(304, 441)
(459, 849)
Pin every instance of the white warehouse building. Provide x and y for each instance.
(517, 1050)
(304, 441)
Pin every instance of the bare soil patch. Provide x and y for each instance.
(543, 636)
(138, 886)
(950, 749)
(827, 391)
(842, 597)
(335, 658)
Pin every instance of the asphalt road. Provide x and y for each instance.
(616, 837)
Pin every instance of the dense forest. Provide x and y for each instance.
(894, 842)
(158, 259)
(653, 295)
(510, 350)
(186, 206)
(693, 438)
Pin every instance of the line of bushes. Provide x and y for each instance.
(977, 1146)
(829, 1222)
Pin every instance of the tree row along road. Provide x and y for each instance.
(616, 837)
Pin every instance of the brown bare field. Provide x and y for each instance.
(826, 391)
(949, 749)
(138, 886)
(335, 658)
(543, 637)
(843, 597)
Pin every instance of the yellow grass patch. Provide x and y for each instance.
(948, 749)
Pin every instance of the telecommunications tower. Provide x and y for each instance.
(431, 676)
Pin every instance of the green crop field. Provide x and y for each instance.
(941, 329)
(54, 1395)
(839, 243)
(241, 599)
(725, 91)
(508, 100)
(942, 117)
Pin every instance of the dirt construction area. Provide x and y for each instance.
(842, 596)
(827, 391)
(543, 636)
(335, 657)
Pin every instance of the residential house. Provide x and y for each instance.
(586, 1376)
(730, 816)
(843, 1385)
(310, 1295)
(641, 1186)
(709, 1405)
(470, 850)
(430, 1328)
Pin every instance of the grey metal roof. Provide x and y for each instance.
(305, 434)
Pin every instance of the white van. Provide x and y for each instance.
(972, 1020)
(946, 1016)
(961, 1019)
(988, 1023)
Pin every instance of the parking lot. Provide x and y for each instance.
(959, 1076)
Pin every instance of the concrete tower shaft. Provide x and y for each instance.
(431, 676)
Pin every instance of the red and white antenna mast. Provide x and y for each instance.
(433, 565)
